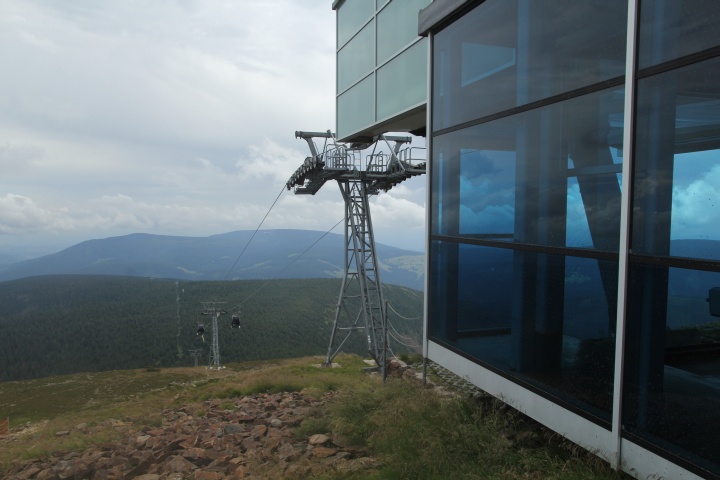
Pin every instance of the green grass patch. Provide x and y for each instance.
(416, 432)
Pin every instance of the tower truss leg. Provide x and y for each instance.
(361, 297)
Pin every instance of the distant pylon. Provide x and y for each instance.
(195, 354)
(214, 309)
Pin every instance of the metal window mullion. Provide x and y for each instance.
(428, 185)
(625, 225)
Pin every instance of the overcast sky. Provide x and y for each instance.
(173, 117)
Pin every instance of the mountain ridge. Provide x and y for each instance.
(237, 255)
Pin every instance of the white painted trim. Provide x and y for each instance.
(624, 244)
(557, 418)
(636, 461)
(642, 463)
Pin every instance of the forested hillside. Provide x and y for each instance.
(63, 324)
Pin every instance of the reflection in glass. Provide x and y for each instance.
(549, 176)
(670, 29)
(505, 54)
(543, 319)
(672, 377)
(677, 163)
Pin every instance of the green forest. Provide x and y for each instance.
(76, 323)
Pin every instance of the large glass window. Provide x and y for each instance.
(550, 176)
(402, 82)
(357, 58)
(352, 15)
(672, 378)
(353, 110)
(543, 319)
(507, 53)
(670, 29)
(677, 164)
(397, 28)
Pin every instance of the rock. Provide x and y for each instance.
(259, 430)
(318, 439)
(251, 442)
(201, 475)
(233, 428)
(178, 464)
(323, 452)
(62, 433)
(287, 452)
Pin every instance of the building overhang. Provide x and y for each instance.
(412, 120)
(437, 13)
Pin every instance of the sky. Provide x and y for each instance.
(170, 117)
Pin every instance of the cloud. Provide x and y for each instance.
(19, 214)
(174, 117)
(696, 207)
(269, 159)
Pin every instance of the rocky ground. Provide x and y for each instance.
(251, 441)
(254, 439)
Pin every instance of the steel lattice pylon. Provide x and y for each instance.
(361, 305)
(214, 309)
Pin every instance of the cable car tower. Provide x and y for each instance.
(359, 176)
(214, 309)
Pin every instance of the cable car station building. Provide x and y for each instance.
(573, 261)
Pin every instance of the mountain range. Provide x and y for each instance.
(229, 256)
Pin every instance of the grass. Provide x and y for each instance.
(415, 432)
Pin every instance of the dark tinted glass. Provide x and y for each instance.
(545, 319)
(672, 376)
(507, 53)
(670, 29)
(547, 177)
(677, 163)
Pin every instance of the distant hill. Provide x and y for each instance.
(75, 323)
(271, 254)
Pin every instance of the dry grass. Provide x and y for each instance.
(417, 433)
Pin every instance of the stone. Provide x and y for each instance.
(218, 445)
(287, 452)
(203, 475)
(233, 428)
(318, 439)
(323, 452)
(178, 464)
(259, 430)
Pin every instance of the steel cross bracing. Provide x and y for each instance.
(361, 305)
(214, 309)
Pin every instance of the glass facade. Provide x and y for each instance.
(356, 59)
(672, 375)
(402, 82)
(526, 189)
(511, 53)
(378, 48)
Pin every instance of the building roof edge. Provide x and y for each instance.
(436, 13)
